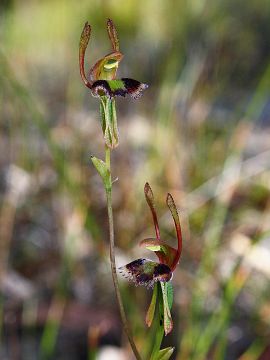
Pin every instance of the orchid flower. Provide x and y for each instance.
(147, 272)
(102, 76)
(103, 83)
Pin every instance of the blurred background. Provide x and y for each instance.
(201, 132)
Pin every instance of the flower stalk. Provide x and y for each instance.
(112, 257)
(103, 84)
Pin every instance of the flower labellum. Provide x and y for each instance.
(112, 88)
(146, 272)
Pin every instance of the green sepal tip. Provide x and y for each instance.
(103, 171)
(165, 354)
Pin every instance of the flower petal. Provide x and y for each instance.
(165, 253)
(149, 196)
(112, 88)
(173, 210)
(146, 272)
(134, 88)
(106, 68)
(113, 35)
(85, 36)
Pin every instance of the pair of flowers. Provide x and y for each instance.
(103, 84)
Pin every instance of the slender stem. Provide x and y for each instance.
(108, 157)
(112, 259)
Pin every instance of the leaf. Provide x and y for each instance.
(165, 354)
(151, 310)
(170, 294)
(114, 123)
(103, 171)
(168, 323)
(102, 108)
(109, 121)
(159, 329)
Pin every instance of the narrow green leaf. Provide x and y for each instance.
(103, 171)
(159, 325)
(114, 123)
(109, 121)
(165, 354)
(102, 108)
(168, 323)
(170, 294)
(151, 310)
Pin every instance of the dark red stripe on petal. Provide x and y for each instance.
(146, 272)
(120, 92)
(162, 273)
(134, 87)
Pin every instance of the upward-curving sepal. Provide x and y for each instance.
(173, 210)
(149, 196)
(85, 36)
(113, 35)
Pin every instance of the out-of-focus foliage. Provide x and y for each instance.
(201, 132)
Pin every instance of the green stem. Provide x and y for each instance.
(159, 325)
(158, 340)
(112, 258)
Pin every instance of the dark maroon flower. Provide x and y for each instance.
(147, 272)
(102, 76)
